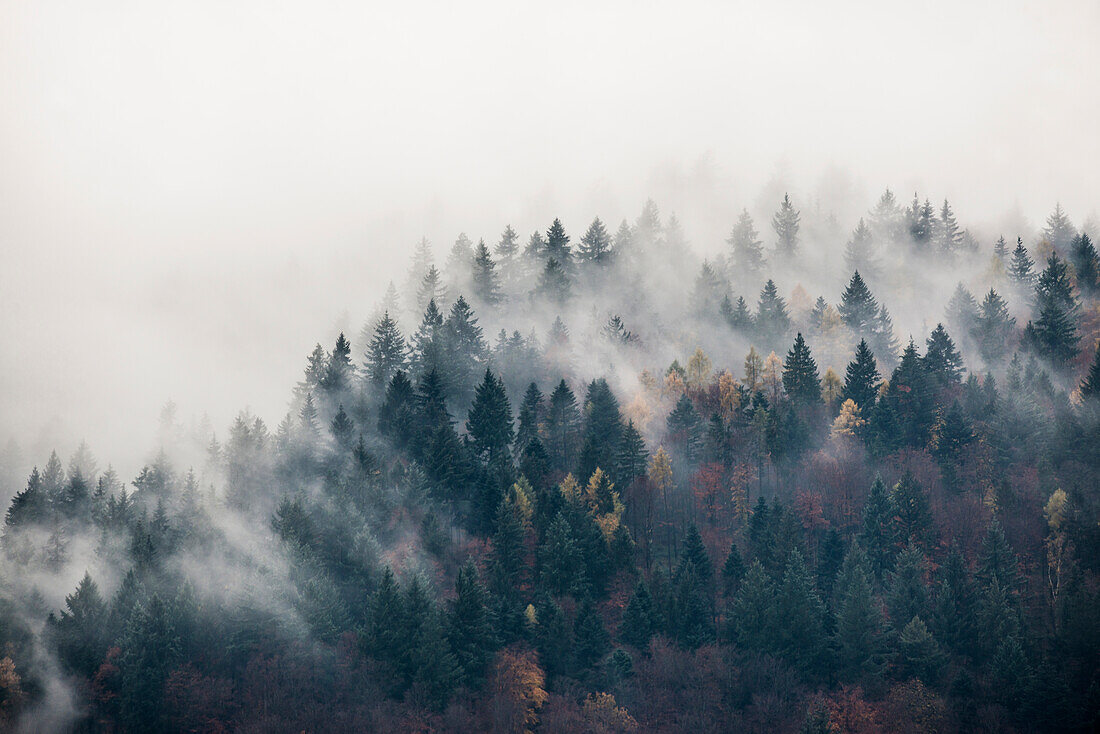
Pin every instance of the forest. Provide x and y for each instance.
(839, 477)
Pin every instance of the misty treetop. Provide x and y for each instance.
(585, 479)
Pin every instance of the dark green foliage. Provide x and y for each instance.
(861, 378)
(920, 654)
(557, 244)
(490, 420)
(386, 353)
(562, 428)
(877, 533)
(912, 513)
(553, 637)
(398, 412)
(955, 604)
(595, 244)
(858, 308)
(859, 636)
(339, 371)
(1020, 269)
(469, 626)
(800, 617)
(530, 414)
(995, 328)
(1090, 386)
(150, 649)
(907, 590)
(996, 560)
(941, 360)
(603, 426)
(953, 435)
(78, 631)
(464, 351)
(733, 571)
(1087, 264)
(630, 461)
(752, 616)
(561, 560)
(684, 428)
(1053, 335)
(800, 378)
(772, 321)
(905, 414)
(485, 279)
(638, 623)
(591, 642)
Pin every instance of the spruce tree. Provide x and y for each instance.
(591, 640)
(1059, 231)
(386, 353)
(941, 360)
(921, 656)
(557, 244)
(595, 244)
(995, 328)
(562, 427)
(859, 636)
(912, 512)
(733, 571)
(786, 225)
(630, 461)
(752, 616)
(683, 425)
(800, 617)
(1053, 335)
(464, 350)
(906, 591)
(338, 372)
(469, 627)
(1087, 264)
(746, 251)
(603, 428)
(859, 253)
(638, 624)
(489, 423)
(554, 283)
(484, 277)
(1020, 269)
(430, 288)
(948, 236)
(908, 402)
(997, 561)
(877, 533)
(530, 415)
(1090, 386)
(858, 308)
(772, 320)
(800, 378)
(861, 378)
(428, 343)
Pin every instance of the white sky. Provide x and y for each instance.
(191, 194)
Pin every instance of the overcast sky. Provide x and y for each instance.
(191, 194)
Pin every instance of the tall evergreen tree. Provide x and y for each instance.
(638, 624)
(1087, 264)
(1059, 231)
(800, 617)
(464, 349)
(1020, 269)
(338, 371)
(907, 592)
(562, 427)
(861, 378)
(469, 626)
(530, 415)
(877, 532)
(800, 378)
(859, 636)
(557, 244)
(1053, 335)
(603, 426)
(948, 236)
(386, 353)
(858, 308)
(859, 252)
(995, 328)
(490, 419)
(772, 320)
(786, 225)
(595, 244)
(746, 251)
(941, 360)
(1090, 386)
(428, 345)
(484, 276)
(554, 283)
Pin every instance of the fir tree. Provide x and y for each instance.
(733, 571)
(554, 284)
(859, 636)
(746, 251)
(557, 244)
(877, 530)
(912, 513)
(338, 372)
(683, 427)
(1059, 232)
(995, 328)
(858, 308)
(941, 360)
(738, 316)
(921, 656)
(638, 624)
(1090, 386)
(1020, 269)
(948, 236)
(595, 244)
(859, 253)
(464, 349)
(785, 223)
(800, 378)
(906, 592)
(591, 640)
(562, 425)
(386, 353)
(1053, 335)
(603, 428)
(485, 279)
(800, 617)
(752, 616)
(530, 415)
(1087, 264)
(632, 456)
(861, 378)
(772, 320)
(996, 560)
(490, 419)
(469, 629)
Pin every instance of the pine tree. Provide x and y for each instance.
(949, 237)
(591, 640)
(858, 308)
(469, 626)
(906, 591)
(485, 279)
(638, 623)
(1090, 386)
(772, 320)
(595, 244)
(395, 417)
(785, 223)
(877, 533)
(78, 631)
(886, 217)
(316, 366)
(738, 316)
(859, 253)
(490, 419)
(428, 343)
(386, 353)
(905, 413)
(912, 512)
(1053, 335)
(995, 328)
(800, 617)
(561, 562)
(557, 244)
(861, 378)
(1020, 269)
(941, 360)
(800, 378)
(465, 351)
(859, 636)
(746, 251)
(1000, 250)
(554, 284)
(683, 425)
(562, 426)
(632, 456)
(1087, 264)
(339, 370)
(752, 617)
(921, 656)
(956, 603)
(150, 649)
(603, 427)
(996, 560)
(733, 571)
(1059, 231)
(530, 415)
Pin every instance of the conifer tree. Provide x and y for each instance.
(859, 629)
(955, 603)
(386, 353)
(921, 656)
(530, 415)
(995, 328)
(877, 533)
(997, 561)
(489, 423)
(1090, 386)
(912, 512)
(316, 366)
(557, 244)
(430, 288)
(595, 244)
(469, 626)
(948, 236)
(800, 616)
(638, 624)
(733, 571)
(738, 316)
(684, 427)
(396, 416)
(562, 426)
(906, 591)
(561, 562)
(591, 640)
(859, 252)
(941, 360)
(905, 413)
(746, 251)
(772, 320)
(1020, 269)
(464, 350)
(886, 217)
(1087, 265)
(554, 283)
(632, 456)
(78, 631)
(603, 427)
(428, 343)
(752, 616)
(861, 378)
(786, 224)
(1053, 335)
(800, 378)
(858, 308)
(1059, 232)
(484, 277)
(338, 371)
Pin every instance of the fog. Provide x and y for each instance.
(191, 195)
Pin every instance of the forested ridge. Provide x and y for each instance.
(599, 483)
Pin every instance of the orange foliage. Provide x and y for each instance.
(516, 691)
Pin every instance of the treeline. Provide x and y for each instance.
(450, 535)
